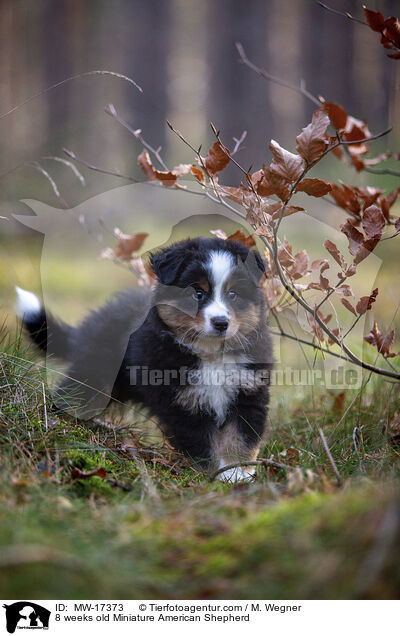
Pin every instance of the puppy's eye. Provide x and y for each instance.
(198, 294)
(232, 294)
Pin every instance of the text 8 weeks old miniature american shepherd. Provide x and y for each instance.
(195, 351)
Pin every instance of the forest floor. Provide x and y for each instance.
(149, 525)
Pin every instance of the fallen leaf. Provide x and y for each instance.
(76, 473)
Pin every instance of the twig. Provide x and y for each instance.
(70, 165)
(394, 173)
(348, 15)
(75, 157)
(273, 251)
(238, 142)
(332, 461)
(256, 462)
(111, 110)
(345, 14)
(69, 79)
(276, 80)
(45, 408)
(36, 166)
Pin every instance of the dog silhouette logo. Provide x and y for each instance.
(26, 615)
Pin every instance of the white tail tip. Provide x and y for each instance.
(28, 304)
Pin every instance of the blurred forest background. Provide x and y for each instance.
(182, 53)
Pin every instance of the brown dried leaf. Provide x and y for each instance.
(314, 187)
(235, 194)
(241, 237)
(312, 142)
(355, 237)
(335, 253)
(348, 306)
(144, 162)
(273, 289)
(285, 163)
(267, 182)
(289, 210)
(76, 473)
(300, 265)
(345, 198)
(392, 197)
(344, 290)
(128, 244)
(324, 282)
(368, 195)
(338, 401)
(337, 114)
(336, 333)
(375, 19)
(168, 179)
(356, 130)
(217, 158)
(373, 222)
(365, 302)
(197, 173)
(382, 342)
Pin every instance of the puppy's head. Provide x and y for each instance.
(208, 290)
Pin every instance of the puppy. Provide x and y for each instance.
(195, 351)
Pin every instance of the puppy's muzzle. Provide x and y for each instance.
(220, 323)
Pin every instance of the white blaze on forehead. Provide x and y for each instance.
(220, 266)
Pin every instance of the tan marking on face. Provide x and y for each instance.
(228, 447)
(179, 321)
(204, 284)
(245, 321)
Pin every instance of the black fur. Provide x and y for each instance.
(128, 332)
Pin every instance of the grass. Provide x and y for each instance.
(154, 527)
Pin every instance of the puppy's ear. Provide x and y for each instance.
(261, 264)
(256, 265)
(167, 265)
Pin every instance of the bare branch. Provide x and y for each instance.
(332, 461)
(110, 110)
(69, 79)
(276, 80)
(113, 173)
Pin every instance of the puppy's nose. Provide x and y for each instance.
(220, 323)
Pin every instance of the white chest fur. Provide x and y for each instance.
(214, 385)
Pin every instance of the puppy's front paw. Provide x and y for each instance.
(234, 475)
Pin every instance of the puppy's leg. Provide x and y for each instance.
(189, 433)
(229, 447)
(239, 441)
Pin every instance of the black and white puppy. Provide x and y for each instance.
(194, 350)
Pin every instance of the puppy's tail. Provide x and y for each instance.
(46, 332)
